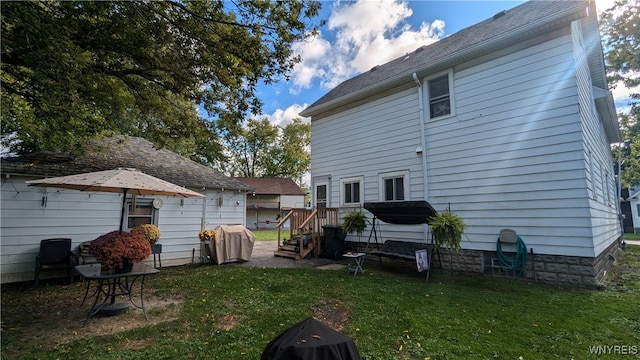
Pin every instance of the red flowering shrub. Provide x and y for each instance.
(129, 246)
(101, 240)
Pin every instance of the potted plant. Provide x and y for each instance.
(447, 229)
(151, 233)
(354, 222)
(207, 235)
(121, 251)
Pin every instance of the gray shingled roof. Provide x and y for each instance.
(122, 152)
(514, 25)
(272, 186)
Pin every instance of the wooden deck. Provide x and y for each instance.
(305, 232)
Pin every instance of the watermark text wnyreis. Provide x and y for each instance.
(614, 349)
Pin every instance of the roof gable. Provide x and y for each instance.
(272, 186)
(122, 152)
(505, 28)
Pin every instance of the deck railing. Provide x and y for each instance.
(303, 222)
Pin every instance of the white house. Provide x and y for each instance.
(508, 122)
(634, 206)
(270, 199)
(30, 214)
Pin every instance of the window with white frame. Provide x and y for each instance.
(140, 211)
(394, 186)
(439, 91)
(351, 191)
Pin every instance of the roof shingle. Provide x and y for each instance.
(123, 152)
(272, 186)
(470, 42)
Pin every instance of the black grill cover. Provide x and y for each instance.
(402, 212)
(311, 340)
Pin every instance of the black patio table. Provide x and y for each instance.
(112, 284)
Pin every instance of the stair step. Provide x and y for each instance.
(289, 248)
(286, 254)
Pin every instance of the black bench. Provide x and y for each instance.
(402, 250)
(406, 250)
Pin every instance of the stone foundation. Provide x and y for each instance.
(550, 269)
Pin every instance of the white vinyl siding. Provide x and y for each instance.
(513, 154)
(84, 216)
(513, 158)
(369, 140)
(603, 212)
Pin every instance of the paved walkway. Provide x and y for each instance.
(262, 256)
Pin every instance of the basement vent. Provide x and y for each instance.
(500, 14)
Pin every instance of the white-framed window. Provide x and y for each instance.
(351, 191)
(140, 212)
(440, 95)
(394, 186)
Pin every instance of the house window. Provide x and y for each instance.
(140, 212)
(351, 189)
(439, 98)
(393, 186)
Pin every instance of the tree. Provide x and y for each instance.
(261, 149)
(621, 40)
(72, 70)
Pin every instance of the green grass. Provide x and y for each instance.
(269, 235)
(632, 236)
(392, 315)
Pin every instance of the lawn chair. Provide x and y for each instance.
(55, 255)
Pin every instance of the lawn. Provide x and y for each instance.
(233, 311)
(632, 236)
(269, 235)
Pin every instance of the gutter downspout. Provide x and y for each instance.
(423, 143)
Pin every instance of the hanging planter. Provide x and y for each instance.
(447, 229)
(354, 222)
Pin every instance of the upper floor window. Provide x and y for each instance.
(394, 186)
(351, 191)
(439, 96)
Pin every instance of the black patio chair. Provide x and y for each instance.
(55, 255)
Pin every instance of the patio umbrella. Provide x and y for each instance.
(126, 181)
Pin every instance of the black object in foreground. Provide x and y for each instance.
(311, 340)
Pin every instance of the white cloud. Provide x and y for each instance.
(284, 117)
(314, 53)
(367, 33)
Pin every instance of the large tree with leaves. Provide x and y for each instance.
(72, 70)
(620, 26)
(262, 149)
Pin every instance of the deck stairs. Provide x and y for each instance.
(305, 233)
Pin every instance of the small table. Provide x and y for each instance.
(356, 260)
(112, 284)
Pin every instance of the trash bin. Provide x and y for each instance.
(333, 241)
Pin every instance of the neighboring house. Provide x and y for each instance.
(30, 214)
(633, 202)
(270, 199)
(508, 122)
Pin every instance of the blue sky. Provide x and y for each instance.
(361, 34)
